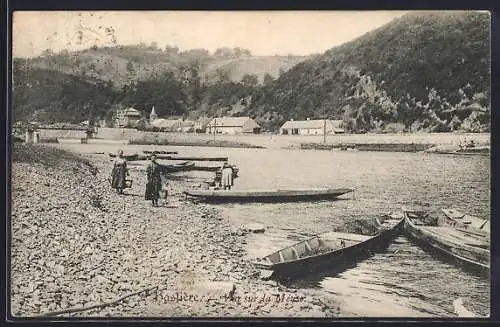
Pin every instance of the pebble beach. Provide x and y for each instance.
(76, 244)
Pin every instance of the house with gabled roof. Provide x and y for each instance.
(233, 125)
(312, 127)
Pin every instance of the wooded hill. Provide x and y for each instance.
(424, 71)
(94, 82)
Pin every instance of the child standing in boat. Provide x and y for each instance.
(119, 173)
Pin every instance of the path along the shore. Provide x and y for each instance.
(76, 243)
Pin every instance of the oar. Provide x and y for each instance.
(484, 223)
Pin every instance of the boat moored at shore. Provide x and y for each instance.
(267, 195)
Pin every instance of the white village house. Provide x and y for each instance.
(312, 127)
(127, 117)
(233, 125)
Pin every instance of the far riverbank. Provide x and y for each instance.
(277, 141)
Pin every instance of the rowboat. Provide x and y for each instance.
(159, 152)
(332, 250)
(434, 230)
(130, 157)
(141, 157)
(185, 166)
(198, 158)
(267, 195)
(467, 223)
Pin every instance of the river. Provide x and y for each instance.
(403, 280)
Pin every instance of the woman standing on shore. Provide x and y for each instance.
(154, 182)
(227, 176)
(119, 173)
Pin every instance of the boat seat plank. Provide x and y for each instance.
(346, 236)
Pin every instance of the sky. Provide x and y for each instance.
(261, 32)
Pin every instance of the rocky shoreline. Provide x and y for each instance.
(75, 243)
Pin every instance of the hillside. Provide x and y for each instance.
(130, 64)
(47, 95)
(427, 71)
(254, 65)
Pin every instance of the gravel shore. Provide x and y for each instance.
(76, 243)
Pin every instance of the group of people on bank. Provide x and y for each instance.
(154, 172)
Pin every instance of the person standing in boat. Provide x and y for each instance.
(227, 176)
(154, 181)
(119, 173)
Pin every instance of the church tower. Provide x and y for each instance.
(153, 116)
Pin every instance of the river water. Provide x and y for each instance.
(402, 280)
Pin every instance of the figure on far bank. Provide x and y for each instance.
(119, 173)
(154, 181)
(227, 176)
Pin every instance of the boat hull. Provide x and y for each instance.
(266, 196)
(435, 240)
(176, 168)
(137, 157)
(337, 260)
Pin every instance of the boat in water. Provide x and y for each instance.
(197, 158)
(332, 250)
(267, 195)
(434, 230)
(128, 157)
(184, 166)
(468, 223)
(159, 152)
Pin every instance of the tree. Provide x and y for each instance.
(130, 67)
(171, 50)
(268, 79)
(222, 75)
(223, 52)
(250, 80)
(47, 53)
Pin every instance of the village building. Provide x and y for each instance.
(127, 117)
(167, 125)
(187, 126)
(233, 125)
(201, 124)
(153, 116)
(312, 127)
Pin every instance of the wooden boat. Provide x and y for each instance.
(267, 195)
(467, 223)
(434, 230)
(333, 249)
(185, 166)
(198, 158)
(159, 152)
(461, 310)
(129, 157)
(169, 157)
(141, 157)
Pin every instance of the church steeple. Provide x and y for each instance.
(153, 115)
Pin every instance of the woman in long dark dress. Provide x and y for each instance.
(119, 173)
(154, 183)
